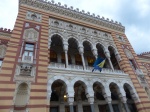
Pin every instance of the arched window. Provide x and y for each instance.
(63, 57)
(90, 61)
(53, 56)
(78, 59)
(113, 58)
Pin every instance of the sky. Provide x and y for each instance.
(133, 14)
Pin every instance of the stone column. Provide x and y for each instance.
(61, 107)
(65, 46)
(107, 54)
(124, 101)
(91, 101)
(108, 100)
(80, 108)
(70, 101)
(118, 57)
(48, 100)
(81, 51)
(95, 53)
(96, 107)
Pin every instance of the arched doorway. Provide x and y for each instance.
(101, 54)
(113, 58)
(115, 97)
(80, 97)
(73, 52)
(88, 55)
(56, 49)
(130, 98)
(101, 104)
(58, 98)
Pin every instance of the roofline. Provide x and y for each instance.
(73, 13)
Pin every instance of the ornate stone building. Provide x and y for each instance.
(46, 63)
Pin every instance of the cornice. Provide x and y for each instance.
(73, 13)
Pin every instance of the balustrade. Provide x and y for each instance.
(80, 67)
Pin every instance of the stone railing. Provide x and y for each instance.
(75, 67)
(106, 70)
(57, 65)
(80, 67)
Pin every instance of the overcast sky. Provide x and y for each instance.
(133, 14)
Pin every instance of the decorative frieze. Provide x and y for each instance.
(31, 35)
(120, 38)
(25, 72)
(80, 33)
(72, 13)
(33, 16)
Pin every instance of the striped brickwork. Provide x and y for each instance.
(124, 64)
(37, 102)
(38, 92)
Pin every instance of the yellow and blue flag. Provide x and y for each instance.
(98, 64)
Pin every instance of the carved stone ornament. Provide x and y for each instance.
(25, 70)
(33, 16)
(128, 54)
(2, 50)
(70, 12)
(120, 38)
(31, 35)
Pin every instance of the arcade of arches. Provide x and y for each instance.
(80, 96)
(72, 52)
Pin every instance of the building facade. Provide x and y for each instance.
(47, 61)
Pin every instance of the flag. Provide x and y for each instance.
(98, 64)
(98, 60)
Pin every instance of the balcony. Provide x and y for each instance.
(61, 66)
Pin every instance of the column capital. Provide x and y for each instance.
(65, 46)
(81, 49)
(70, 100)
(108, 99)
(91, 100)
(107, 54)
(124, 99)
(90, 97)
(95, 52)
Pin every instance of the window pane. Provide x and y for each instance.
(30, 53)
(25, 53)
(29, 47)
